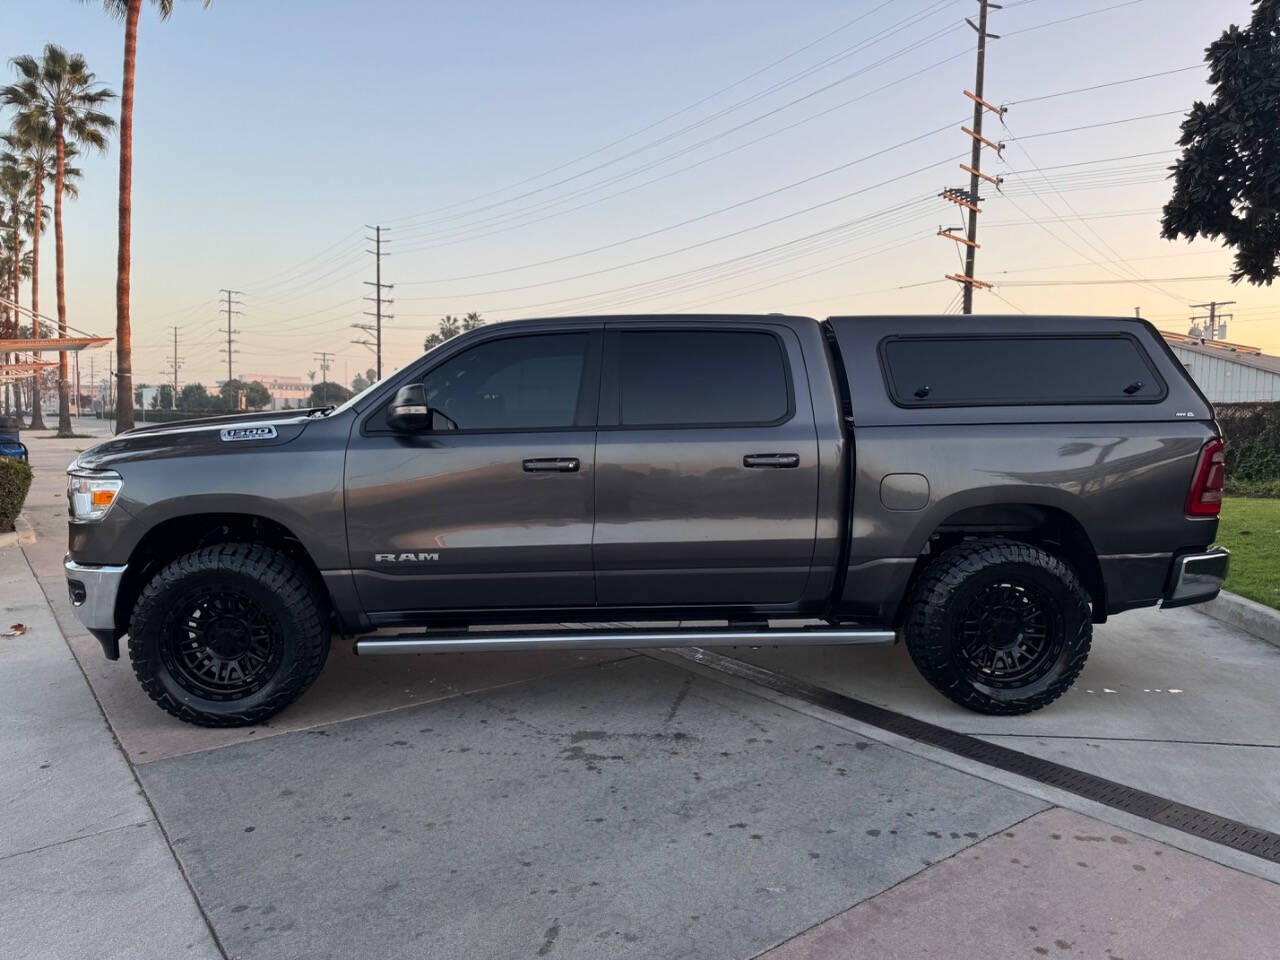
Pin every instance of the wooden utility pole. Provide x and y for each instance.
(174, 365)
(326, 360)
(969, 199)
(1214, 317)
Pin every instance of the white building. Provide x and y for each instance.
(290, 391)
(1228, 372)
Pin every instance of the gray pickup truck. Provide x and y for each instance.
(987, 488)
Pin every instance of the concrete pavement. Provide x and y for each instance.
(85, 870)
(559, 805)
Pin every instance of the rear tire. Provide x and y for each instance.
(229, 635)
(999, 626)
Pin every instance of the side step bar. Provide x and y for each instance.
(475, 641)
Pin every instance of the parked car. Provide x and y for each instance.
(985, 488)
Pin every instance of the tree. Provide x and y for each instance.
(1227, 182)
(128, 11)
(256, 395)
(60, 89)
(358, 383)
(231, 391)
(34, 150)
(449, 327)
(163, 397)
(193, 396)
(325, 393)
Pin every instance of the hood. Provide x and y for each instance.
(209, 435)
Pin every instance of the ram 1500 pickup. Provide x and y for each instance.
(985, 488)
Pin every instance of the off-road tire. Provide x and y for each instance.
(949, 588)
(292, 602)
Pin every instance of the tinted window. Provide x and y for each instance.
(701, 376)
(511, 384)
(1009, 370)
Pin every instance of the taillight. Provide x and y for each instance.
(1205, 498)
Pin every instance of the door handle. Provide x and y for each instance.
(776, 461)
(551, 465)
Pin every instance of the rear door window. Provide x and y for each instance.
(1000, 370)
(702, 378)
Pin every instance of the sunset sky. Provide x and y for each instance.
(586, 157)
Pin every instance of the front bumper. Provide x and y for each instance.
(1197, 577)
(93, 590)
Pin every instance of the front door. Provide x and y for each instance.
(495, 510)
(706, 467)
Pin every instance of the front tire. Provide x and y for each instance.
(229, 635)
(999, 626)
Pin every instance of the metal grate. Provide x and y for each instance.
(1191, 820)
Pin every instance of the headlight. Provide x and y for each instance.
(91, 495)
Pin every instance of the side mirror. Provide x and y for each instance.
(409, 411)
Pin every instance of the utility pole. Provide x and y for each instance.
(378, 300)
(1214, 317)
(325, 360)
(174, 365)
(93, 381)
(229, 350)
(969, 199)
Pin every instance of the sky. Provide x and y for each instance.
(573, 157)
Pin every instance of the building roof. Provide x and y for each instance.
(1233, 353)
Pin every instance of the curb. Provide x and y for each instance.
(21, 534)
(1247, 615)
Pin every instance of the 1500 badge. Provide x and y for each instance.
(248, 433)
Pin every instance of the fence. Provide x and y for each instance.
(1252, 433)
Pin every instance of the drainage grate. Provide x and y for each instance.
(1190, 820)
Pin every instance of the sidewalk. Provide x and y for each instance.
(84, 867)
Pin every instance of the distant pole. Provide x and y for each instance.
(1214, 317)
(325, 359)
(229, 350)
(1137, 312)
(378, 300)
(77, 383)
(176, 362)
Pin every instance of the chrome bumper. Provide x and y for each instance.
(1197, 577)
(93, 592)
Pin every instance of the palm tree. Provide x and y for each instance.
(14, 218)
(128, 11)
(34, 150)
(471, 321)
(60, 88)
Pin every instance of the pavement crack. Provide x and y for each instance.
(679, 700)
(67, 840)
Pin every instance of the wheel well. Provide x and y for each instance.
(1050, 528)
(177, 536)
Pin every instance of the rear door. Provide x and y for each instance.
(496, 510)
(706, 466)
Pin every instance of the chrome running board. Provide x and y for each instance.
(603, 639)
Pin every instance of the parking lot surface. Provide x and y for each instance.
(625, 804)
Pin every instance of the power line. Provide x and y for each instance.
(1104, 86)
(1095, 126)
(691, 220)
(1078, 16)
(884, 34)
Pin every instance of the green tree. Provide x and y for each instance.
(33, 149)
(358, 383)
(256, 395)
(128, 11)
(449, 327)
(325, 393)
(60, 89)
(193, 396)
(1226, 185)
(162, 399)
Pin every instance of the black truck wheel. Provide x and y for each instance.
(229, 635)
(999, 626)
